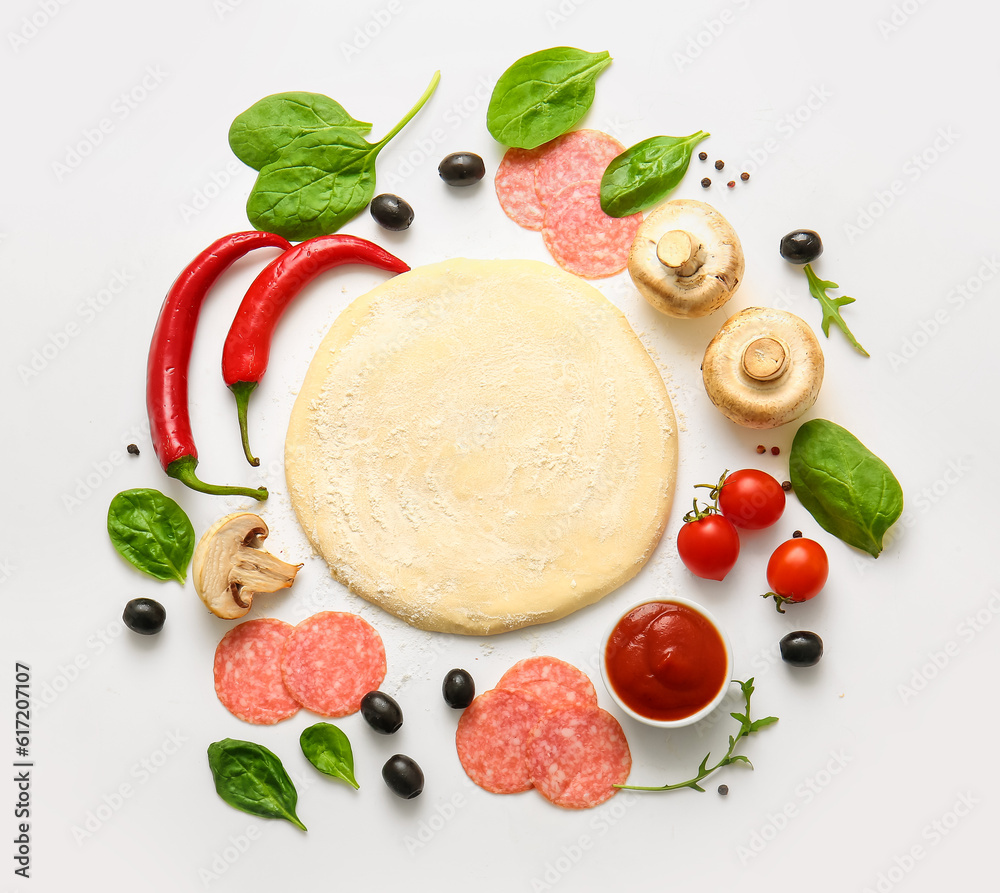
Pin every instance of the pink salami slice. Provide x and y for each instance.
(515, 186)
(554, 682)
(572, 158)
(332, 660)
(577, 755)
(491, 739)
(584, 240)
(248, 672)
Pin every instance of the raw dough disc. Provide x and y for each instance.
(480, 446)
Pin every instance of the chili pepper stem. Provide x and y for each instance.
(183, 470)
(242, 391)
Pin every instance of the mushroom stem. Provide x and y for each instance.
(765, 359)
(678, 250)
(258, 571)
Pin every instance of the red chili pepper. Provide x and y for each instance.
(248, 344)
(170, 356)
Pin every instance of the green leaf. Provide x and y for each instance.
(739, 758)
(739, 717)
(320, 180)
(263, 130)
(645, 173)
(848, 490)
(329, 750)
(543, 95)
(152, 533)
(831, 307)
(760, 723)
(251, 778)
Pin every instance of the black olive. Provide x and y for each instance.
(458, 689)
(801, 247)
(403, 776)
(144, 616)
(462, 169)
(801, 648)
(381, 712)
(391, 212)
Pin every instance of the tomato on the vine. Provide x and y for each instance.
(751, 499)
(796, 571)
(708, 545)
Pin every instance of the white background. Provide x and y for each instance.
(873, 123)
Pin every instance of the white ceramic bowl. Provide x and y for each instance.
(686, 720)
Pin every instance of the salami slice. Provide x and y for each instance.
(248, 672)
(584, 240)
(577, 755)
(554, 682)
(515, 186)
(331, 660)
(572, 158)
(491, 739)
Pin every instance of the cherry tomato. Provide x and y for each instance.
(709, 546)
(751, 499)
(796, 571)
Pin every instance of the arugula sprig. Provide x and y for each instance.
(831, 307)
(747, 727)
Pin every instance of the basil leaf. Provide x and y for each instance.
(543, 95)
(320, 180)
(251, 778)
(643, 175)
(263, 130)
(151, 532)
(848, 490)
(328, 749)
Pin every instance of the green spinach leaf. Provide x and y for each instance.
(320, 180)
(329, 750)
(263, 130)
(543, 95)
(848, 490)
(831, 307)
(151, 532)
(251, 778)
(644, 174)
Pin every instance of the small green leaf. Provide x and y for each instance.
(251, 778)
(760, 723)
(259, 134)
(704, 764)
(645, 173)
(152, 533)
(739, 717)
(831, 307)
(739, 758)
(543, 95)
(848, 490)
(329, 750)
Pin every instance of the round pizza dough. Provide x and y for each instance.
(482, 445)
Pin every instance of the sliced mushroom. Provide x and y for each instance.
(230, 567)
(686, 259)
(764, 368)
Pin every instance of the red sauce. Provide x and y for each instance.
(665, 661)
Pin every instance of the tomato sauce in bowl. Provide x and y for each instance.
(666, 662)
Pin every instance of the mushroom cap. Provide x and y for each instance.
(763, 368)
(229, 565)
(717, 253)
